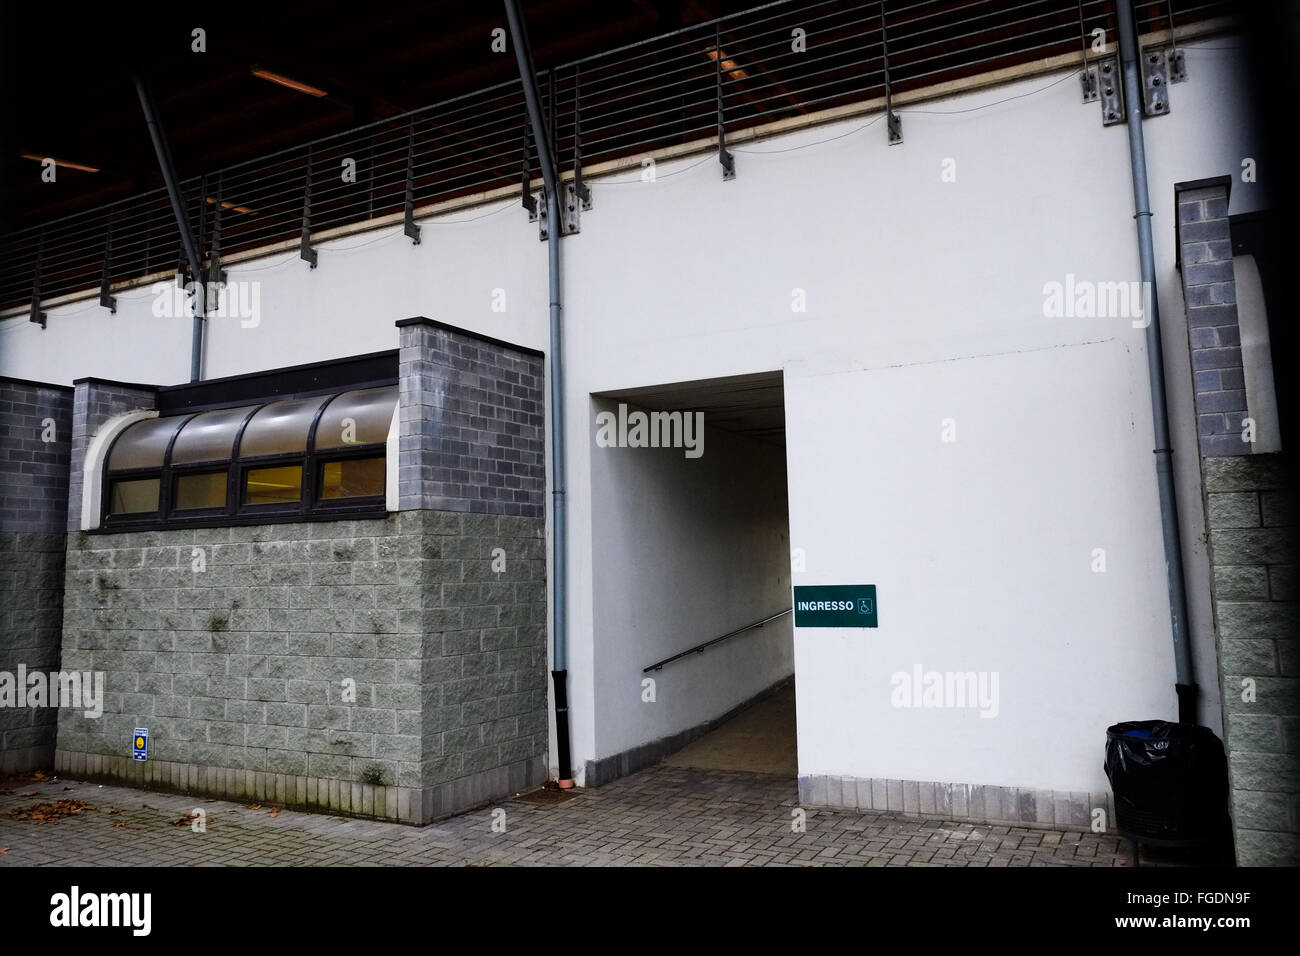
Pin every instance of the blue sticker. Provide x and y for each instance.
(140, 744)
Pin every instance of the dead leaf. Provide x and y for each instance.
(275, 812)
(255, 806)
(118, 824)
(4, 849)
(50, 812)
(185, 820)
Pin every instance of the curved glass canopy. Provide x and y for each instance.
(278, 466)
(144, 444)
(360, 417)
(209, 436)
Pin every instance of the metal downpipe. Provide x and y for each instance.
(182, 223)
(559, 528)
(1185, 683)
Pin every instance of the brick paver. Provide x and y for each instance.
(663, 816)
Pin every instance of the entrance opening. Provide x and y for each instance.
(694, 656)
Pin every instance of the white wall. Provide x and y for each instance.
(982, 552)
(345, 306)
(685, 550)
(909, 281)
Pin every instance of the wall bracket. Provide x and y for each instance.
(1110, 92)
(1088, 82)
(1155, 81)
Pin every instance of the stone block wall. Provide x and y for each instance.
(1253, 517)
(35, 446)
(239, 649)
(390, 667)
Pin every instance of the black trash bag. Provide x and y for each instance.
(1170, 781)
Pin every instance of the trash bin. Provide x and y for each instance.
(1170, 782)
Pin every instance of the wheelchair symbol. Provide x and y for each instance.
(864, 605)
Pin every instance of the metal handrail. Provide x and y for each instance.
(705, 80)
(701, 648)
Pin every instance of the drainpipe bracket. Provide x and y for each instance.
(35, 314)
(1111, 92)
(1155, 81)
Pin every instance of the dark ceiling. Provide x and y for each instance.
(69, 92)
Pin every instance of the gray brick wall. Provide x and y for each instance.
(35, 446)
(240, 668)
(1209, 292)
(1254, 538)
(31, 610)
(95, 402)
(471, 423)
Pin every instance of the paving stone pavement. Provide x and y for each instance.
(662, 816)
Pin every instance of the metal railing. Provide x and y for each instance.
(701, 648)
(696, 85)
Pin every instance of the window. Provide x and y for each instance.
(268, 486)
(353, 478)
(134, 496)
(200, 491)
(285, 460)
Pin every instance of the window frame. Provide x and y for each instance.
(310, 506)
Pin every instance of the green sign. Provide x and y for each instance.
(835, 605)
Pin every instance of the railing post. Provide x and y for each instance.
(35, 314)
(580, 189)
(105, 276)
(216, 274)
(305, 251)
(725, 158)
(409, 227)
(891, 118)
(525, 180)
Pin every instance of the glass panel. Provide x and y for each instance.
(279, 485)
(144, 444)
(207, 490)
(353, 478)
(357, 418)
(133, 496)
(209, 436)
(280, 428)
